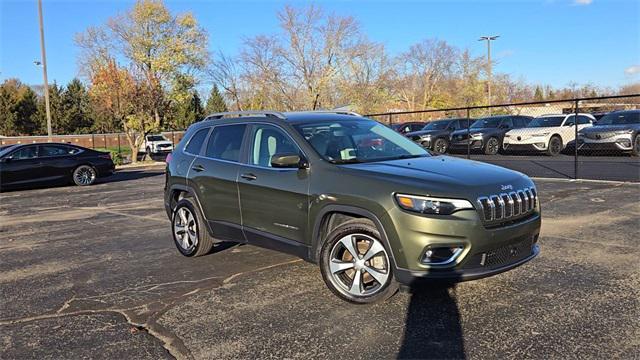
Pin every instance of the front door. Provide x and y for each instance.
(21, 167)
(274, 201)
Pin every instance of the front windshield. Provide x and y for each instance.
(486, 123)
(156, 138)
(436, 125)
(547, 121)
(357, 141)
(620, 119)
(4, 149)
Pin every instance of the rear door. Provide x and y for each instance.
(214, 175)
(274, 201)
(57, 161)
(21, 167)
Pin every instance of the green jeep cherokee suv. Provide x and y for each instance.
(372, 208)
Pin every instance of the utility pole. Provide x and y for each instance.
(488, 39)
(44, 72)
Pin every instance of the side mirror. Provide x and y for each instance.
(288, 161)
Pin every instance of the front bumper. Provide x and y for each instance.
(474, 144)
(486, 250)
(622, 142)
(537, 143)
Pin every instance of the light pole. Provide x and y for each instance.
(44, 71)
(488, 39)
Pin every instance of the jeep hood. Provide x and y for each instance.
(444, 176)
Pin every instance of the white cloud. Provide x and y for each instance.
(632, 70)
(582, 2)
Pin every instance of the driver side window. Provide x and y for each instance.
(29, 152)
(267, 141)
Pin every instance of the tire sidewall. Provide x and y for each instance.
(550, 147)
(487, 151)
(353, 227)
(189, 205)
(441, 140)
(95, 175)
(635, 151)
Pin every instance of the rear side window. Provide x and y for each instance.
(582, 120)
(195, 144)
(225, 142)
(55, 150)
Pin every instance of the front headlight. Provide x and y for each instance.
(428, 136)
(627, 131)
(476, 136)
(431, 205)
(541, 134)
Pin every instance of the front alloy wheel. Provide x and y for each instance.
(636, 146)
(185, 230)
(492, 147)
(355, 263)
(440, 146)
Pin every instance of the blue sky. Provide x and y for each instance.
(551, 42)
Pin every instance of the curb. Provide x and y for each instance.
(140, 165)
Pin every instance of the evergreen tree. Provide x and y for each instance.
(75, 117)
(538, 95)
(215, 102)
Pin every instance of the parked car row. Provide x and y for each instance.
(549, 134)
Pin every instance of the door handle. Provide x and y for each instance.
(249, 176)
(198, 168)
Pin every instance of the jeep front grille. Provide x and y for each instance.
(506, 206)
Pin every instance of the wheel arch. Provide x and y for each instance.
(179, 191)
(323, 225)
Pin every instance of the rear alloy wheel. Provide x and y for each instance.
(187, 226)
(636, 146)
(441, 146)
(492, 147)
(355, 264)
(555, 146)
(84, 175)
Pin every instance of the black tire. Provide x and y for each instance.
(84, 175)
(203, 240)
(492, 146)
(554, 148)
(357, 227)
(440, 146)
(635, 151)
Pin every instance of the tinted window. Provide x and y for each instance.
(267, 141)
(436, 125)
(486, 123)
(620, 118)
(520, 122)
(506, 123)
(225, 142)
(583, 120)
(547, 121)
(28, 152)
(55, 150)
(416, 127)
(156, 138)
(195, 144)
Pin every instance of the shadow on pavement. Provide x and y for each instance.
(130, 175)
(432, 329)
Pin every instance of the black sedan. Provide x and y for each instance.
(435, 135)
(487, 134)
(51, 163)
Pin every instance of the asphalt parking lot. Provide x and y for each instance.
(93, 272)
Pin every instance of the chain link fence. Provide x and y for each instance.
(588, 138)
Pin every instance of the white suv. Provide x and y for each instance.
(156, 144)
(547, 133)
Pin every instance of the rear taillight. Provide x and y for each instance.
(169, 157)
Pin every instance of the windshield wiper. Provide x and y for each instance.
(347, 161)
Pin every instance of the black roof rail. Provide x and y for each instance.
(265, 113)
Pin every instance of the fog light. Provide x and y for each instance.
(540, 145)
(624, 142)
(441, 255)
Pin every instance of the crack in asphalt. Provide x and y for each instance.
(145, 316)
